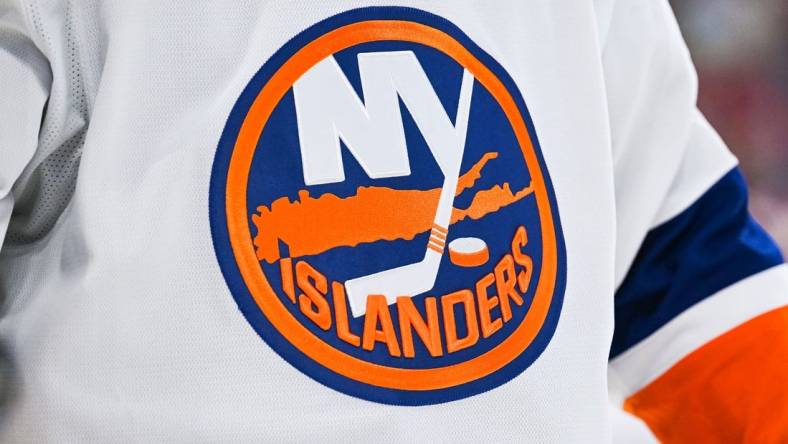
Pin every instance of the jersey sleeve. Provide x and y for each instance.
(25, 79)
(700, 346)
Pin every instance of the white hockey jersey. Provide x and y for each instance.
(363, 221)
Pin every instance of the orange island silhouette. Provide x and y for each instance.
(372, 214)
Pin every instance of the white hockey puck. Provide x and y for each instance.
(468, 252)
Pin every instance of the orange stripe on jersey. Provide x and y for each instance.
(438, 234)
(437, 241)
(733, 389)
(440, 229)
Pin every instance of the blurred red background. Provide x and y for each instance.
(740, 48)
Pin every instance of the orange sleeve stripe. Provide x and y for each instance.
(733, 389)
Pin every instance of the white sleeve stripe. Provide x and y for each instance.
(6, 207)
(705, 162)
(701, 323)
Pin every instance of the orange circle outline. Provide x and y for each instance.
(254, 278)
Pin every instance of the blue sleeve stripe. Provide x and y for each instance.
(711, 245)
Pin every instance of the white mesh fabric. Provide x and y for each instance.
(45, 188)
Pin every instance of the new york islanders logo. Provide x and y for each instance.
(382, 214)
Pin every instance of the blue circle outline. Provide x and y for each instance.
(244, 299)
